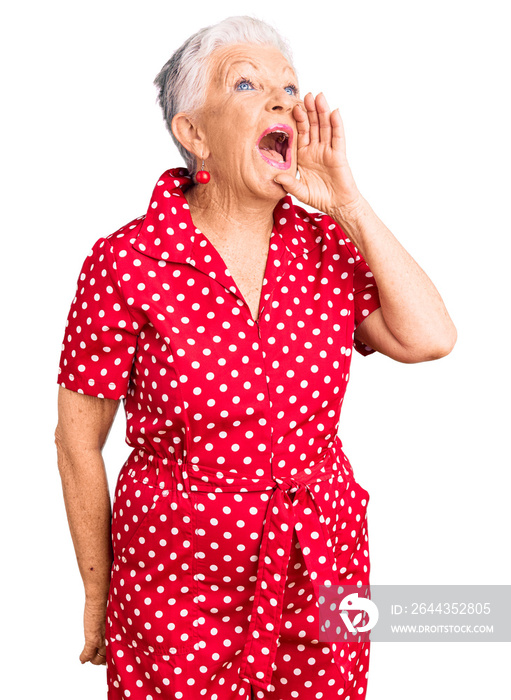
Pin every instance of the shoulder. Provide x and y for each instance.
(112, 247)
(120, 241)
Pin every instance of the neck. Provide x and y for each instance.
(226, 217)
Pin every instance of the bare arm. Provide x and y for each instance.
(412, 324)
(83, 426)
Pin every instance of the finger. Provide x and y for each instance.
(292, 186)
(99, 658)
(323, 110)
(90, 654)
(310, 106)
(338, 139)
(302, 126)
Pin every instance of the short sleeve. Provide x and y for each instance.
(100, 337)
(367, 299)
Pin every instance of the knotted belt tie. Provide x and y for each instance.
(284, 515)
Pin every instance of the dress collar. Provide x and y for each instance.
(167, 231)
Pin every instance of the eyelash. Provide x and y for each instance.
(249, 82)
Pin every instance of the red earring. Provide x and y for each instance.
(202, 175)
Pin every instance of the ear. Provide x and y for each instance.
(189, 135)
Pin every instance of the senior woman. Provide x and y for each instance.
(225, 320)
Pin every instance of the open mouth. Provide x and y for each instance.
(274, 145)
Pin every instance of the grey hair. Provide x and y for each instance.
(183, 79)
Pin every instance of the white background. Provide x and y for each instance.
(423, 90)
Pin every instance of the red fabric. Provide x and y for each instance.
(237, 500)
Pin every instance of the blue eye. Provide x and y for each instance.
(244, 84)
(291, 90)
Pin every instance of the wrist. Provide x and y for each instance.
(357, 220)
(351, 212)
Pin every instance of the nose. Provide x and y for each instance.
(280, 101)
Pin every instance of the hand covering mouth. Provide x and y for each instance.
(274, 145)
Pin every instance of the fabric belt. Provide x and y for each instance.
(282, 517)
(285, 515)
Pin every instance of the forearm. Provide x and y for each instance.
(87, 502)
(410, 303)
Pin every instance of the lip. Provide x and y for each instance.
(289, 131)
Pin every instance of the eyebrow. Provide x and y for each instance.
(288, 69)
(244, 60)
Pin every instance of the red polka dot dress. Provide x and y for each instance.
(237, 501)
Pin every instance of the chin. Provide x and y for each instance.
(271, 189)
(262, 183)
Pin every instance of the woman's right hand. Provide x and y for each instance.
(94, 620)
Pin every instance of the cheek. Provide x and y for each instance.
(233, 132)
